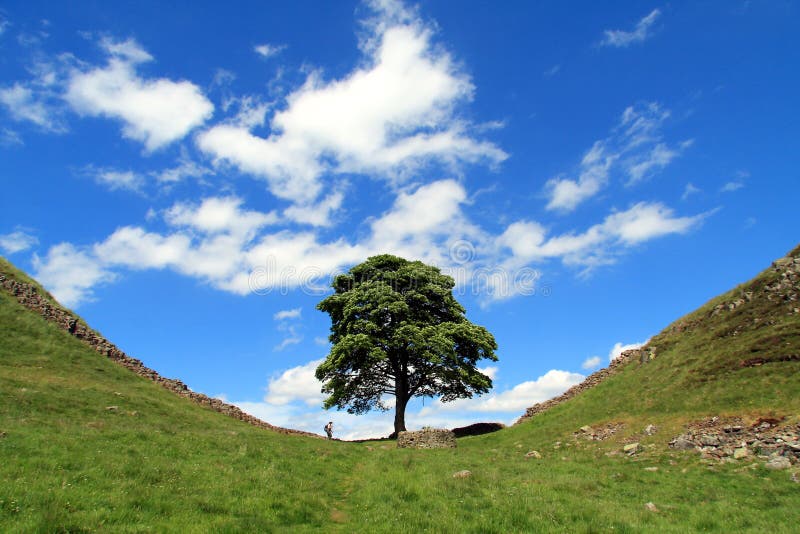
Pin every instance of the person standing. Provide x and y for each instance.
(329, 429)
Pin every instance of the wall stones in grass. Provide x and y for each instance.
(427, 439)
(33, 299)
(730, 438)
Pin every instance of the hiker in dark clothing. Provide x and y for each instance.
(329, 429)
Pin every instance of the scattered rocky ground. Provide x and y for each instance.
(598, 433)
(32, 298)
(728, 439)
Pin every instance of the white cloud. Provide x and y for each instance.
(619, 348)
(491, 371)
(154, 111)
(115, 179)
(9, 137)
(268, 50)
(591, 363)
(645, 221)
(219, 214)
(135, 248)
(282, 315)
(601, 242)
(516, 399)
(730, 187)
(287, 325)
(634, 146)
(25, 104)
(318, 214)
(220, 242)
(622, 39)
(552, 71)
(292, 339)
(642, 123)
(391, 115)
(17, 241)
(296, 384)
(184, 169)
(69, 273)
(659, 157)
(431, 209)
(566, 194)
(690, 190)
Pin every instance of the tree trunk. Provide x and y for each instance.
(400, 413)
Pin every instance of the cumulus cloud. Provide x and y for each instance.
(388, 117)
(234, 249)
(591, 363)
(216, 215)
(516, 399)
(155, 112)
(315, 214)
(634, 146)
(17, 241)
(70, 274)
(296, 384)
(641, 32)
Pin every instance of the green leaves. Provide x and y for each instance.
(397, 330)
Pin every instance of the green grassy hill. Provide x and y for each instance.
(89, 446)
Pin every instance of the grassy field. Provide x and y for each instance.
(89, 446)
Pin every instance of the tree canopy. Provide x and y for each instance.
(397, 330)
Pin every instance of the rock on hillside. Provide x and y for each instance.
(746, 322)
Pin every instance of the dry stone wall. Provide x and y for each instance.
(33, 299)
(427, 439)
(642, 354)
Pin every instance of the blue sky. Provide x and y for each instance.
(189, 177)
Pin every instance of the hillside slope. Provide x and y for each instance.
(89, 446)
(32, 296)
(738, 353)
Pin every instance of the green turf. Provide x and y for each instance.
(159, 463)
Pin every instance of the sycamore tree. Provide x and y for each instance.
(397, 330)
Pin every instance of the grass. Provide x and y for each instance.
(158, 462)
